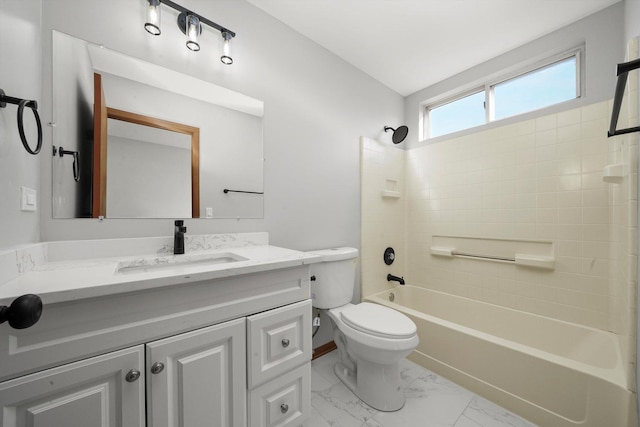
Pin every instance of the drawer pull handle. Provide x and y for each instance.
(284, 408)
(132, 376)
(285, 342)
(157, 367)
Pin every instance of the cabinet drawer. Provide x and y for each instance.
(278, 340)
(283, 402)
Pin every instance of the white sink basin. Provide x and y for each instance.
(172, 262)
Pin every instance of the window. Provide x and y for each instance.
(462, 113)
(551, 82)
(545, 86)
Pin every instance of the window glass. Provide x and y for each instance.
(533, 89)
(540, 88)
(463, 113)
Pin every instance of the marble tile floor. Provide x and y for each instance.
(432, 401)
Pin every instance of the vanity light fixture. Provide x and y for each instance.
(191, 25)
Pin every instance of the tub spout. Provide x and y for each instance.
(391, 277)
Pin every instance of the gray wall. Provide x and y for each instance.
(602, 35)
(20, 76)
(631, 19)
(316, 107)
(140, 188)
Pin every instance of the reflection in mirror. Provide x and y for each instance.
(136, 188)
(165, 178)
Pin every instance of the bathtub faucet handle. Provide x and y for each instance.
(391, 277)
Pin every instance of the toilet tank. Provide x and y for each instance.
(335, 277)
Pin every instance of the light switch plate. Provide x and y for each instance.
(28, 200)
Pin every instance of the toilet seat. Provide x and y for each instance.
(378, 320)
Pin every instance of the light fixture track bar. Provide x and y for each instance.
(202, 19)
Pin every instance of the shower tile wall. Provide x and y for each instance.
(382, 167)
(624, 222)
(537, 179)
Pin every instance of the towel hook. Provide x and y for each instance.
(76, 160)
(21, 103)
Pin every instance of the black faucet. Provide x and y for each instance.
(391, 277)
(178, 237)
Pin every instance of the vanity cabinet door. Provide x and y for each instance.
(102, 391)
(198, 378)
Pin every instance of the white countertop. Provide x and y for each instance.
(74, 279)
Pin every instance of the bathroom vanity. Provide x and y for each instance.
(221, 337)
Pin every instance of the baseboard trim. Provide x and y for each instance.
(323, 349)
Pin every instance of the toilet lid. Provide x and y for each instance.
(378, 320)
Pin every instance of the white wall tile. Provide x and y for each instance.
(568, 133)
(546, 123)
(538, 179)
(569, 165)
(546, 137)
(598, 215)
(594, 111)
(569, 117)
(547, 184)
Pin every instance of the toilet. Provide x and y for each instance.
(371, 338)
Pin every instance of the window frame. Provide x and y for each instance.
(489, 85)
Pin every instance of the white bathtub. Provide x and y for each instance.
(551, 372)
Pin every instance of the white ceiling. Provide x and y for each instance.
(411, 44)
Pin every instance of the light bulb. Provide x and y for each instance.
(226, 49)
(153, 18)
(193, 31)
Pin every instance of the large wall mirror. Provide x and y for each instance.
(149, 142)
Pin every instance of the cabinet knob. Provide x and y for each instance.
(132, 376)
(23, 312)
(157, 367)
(284, 408)
(285, 342)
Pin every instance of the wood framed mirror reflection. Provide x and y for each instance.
(102, 114)
(230, 139)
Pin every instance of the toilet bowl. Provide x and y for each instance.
(370, 352)
(371, 339)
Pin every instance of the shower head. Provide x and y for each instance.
(399, 134)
